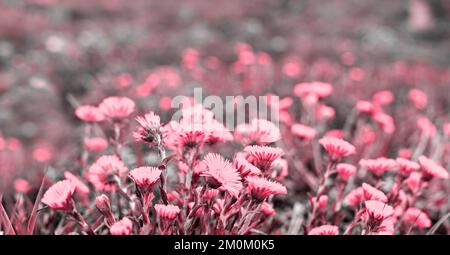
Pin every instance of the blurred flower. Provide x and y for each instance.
(89, 113)
(379, 165)
(432, 169)
(337, 148)
(407, 166)
(303, 132)
(417, 217)
(95, 144)
(149, 129)
(101, 173)
(117, 108)
(345, 170)
(372, 193)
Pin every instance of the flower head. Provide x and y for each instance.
(260, 188)
(259, 131)
(263, 156)
(317, 89)
(122, 227)
(221, 174)
(345, 170)
(169, 212)
(337, 148)
(59, 195)
(149, 129)
(372, 193)
(89, 113)
(145, 177)
(418, 98)
(407, 166)
(303, 132)
(324, 230)
(95, 144)
(101, 173)
(432, 169)
(354, 197)
(378, 211)
(244, 167)
(80, 187)
(117, 108)
(379, 165)
(415, 216)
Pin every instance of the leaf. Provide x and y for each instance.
(34, 212)
(9, 229)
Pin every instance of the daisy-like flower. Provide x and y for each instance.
(169, 212)
(117, 108)
(355, 197)
(417, 217)
(145, 178)
(80, 187)
(263, 156)
(101, 173)
(260, 188)
(59, 196)
(407, 166)
(378, 165)
(345, 171)
(221, 174)
(244, 167)
(372, 193)
(149, 129)
(89, 113)
(217, 132)
(122, 227)
(337, 148)
(378, 211)
(327, 230)
(183, 136)
(432, 169)
(303, 132)
(259, 131)
(318, 89)
(95, 144)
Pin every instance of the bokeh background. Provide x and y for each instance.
(55, 55)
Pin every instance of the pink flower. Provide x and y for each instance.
(407, 166)
(117, 108)
(419, 98)
(221, 174)
(267, 209)
(263, 156)
(259, 131)
(325, 113)
(303, 132)
(59, 196)
(379, 165)
(337, 148)
(432, 169)
(336, 133)
(385, 121)
(345, 170)
(446, 129)
(372, 193)
(80, 187)
(244, 167)
(101, 173)
(328, 230)
(95, 144)
(149, 129)
(378, 211)
(22, 186)
(122, 227)
(383, 97)
(414, 181)
(354, 197)
(426, 126)
(169, 212)
(318, 89)
(364, 106)
(417, 217)
(89, 113)
(260, 188)
(145, 177)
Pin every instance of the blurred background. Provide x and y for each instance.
(55, 55)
